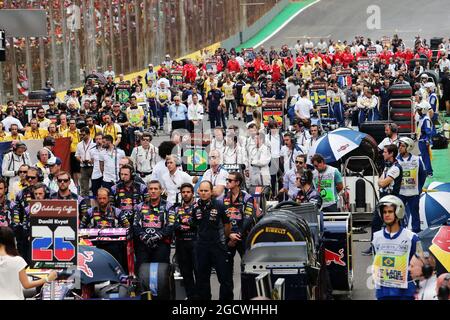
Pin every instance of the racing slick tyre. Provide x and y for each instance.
(401, 114)
(155, 279)
(401, 104)
(400, 91)
(279, 226)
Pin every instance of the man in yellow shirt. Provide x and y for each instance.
(306, 71)
(252, 101)
(74, 134)
(112, 129)
(14, 134)
(42, 120)
(63, 123)
(93, 128)
(209, 82)
(35, 133)
(135, 115)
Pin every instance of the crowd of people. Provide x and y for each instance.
(121, 179)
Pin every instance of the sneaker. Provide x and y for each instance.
(367, 252)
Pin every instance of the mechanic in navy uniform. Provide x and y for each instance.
(389, 183)
(211, 249)
(152, 228)
(128, 193)
(6, 205)
(106, 216)
(240, 211)
(63, 180)
(185, 236)
(214, 100)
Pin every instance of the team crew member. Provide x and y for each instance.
(391, 130)
(20, 184)
(21, 214)
(213, 228)
(307, 193)
(259, 161)
(6, 205)
(152, 228)
(178, 114)
(241, 213)
(43, 156)
(290, 151)
(252, 102)
(84, 157)
(215, 105)
(34, 132)
(145, 157)
(389, 183)
(423, 133)
(96, 178)
(216, 174)
(112, 129)
(109, 162)
(54, 165)
(328, 182)
(74, 136)
(394, 247)
(93, 128)
(290, 185)
(414, 176)
(185, 236)
(174, 179)
(105, 216)
(135, 115)
(128, 193)
(13, 160)
(64, 193)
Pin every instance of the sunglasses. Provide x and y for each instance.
(31, 178)
(24, 172)
(63, 180)
(299, 162)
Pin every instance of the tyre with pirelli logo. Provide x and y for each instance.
(280, 226)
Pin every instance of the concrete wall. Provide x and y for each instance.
(248, 33)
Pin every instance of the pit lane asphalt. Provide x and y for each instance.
(361, 263)
(344, 19)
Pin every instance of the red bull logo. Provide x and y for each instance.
(83, 259)
(331, 256)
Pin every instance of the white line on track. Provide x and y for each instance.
(285, 24)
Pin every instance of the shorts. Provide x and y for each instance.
(74, 164)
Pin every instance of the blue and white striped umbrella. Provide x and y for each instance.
(439, 186)
(434, 208)
(336, 144)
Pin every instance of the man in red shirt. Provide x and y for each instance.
(385, 56)
(347, 57)
(233, 65)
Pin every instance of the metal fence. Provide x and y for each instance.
(87, 35)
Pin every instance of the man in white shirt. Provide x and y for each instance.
(309, 45)
(54, 165)
(10, 120)
(259, 162)
(303, 107)
(145, 157)
(96, 178)
(390, 130)
(163, 80)
(83, 155)
(195, 114)
(173, 179)
(110, 72)
(216, 175)
(164, 150)
(290, 151)
(109, 162)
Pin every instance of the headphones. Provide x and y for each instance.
(292, 136)
(39, 154)
(427, 268)
(131, 168)
(306, 177)
(40, 174)
(177, 160)
(444, 291)
(393, 127)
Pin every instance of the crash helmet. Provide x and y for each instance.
(430, 85)
(408, 142)
(422, 106)
(392, 201)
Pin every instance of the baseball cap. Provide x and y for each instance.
(150, 65)
(53, 160)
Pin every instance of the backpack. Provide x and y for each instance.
(439, 142)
